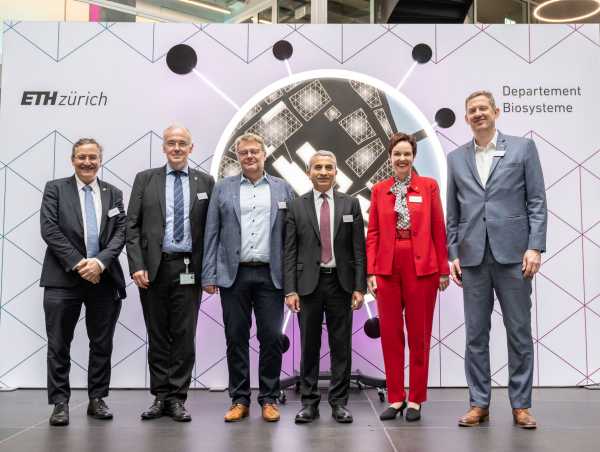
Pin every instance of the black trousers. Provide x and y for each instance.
(330, 299)
(253, 288)
(62, 307)
(171, 314)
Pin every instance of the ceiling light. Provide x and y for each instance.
(209, 6)
(537, 12)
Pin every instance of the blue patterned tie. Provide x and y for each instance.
(92, 245)
(178, 207)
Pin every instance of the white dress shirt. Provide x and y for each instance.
(484, 157)
(318, 204)
(97, 205)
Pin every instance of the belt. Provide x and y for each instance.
(174, 256)
(253, 264)
(327, 270)
(402, 234)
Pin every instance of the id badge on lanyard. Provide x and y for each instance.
(187, 277)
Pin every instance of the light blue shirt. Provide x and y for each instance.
(255, 209)
(169, 244)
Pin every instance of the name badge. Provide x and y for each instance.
(202, 196)
(414, 198)
(113, 212)
(498, 153)
(282, 205)
(186, 278)
(347, 218)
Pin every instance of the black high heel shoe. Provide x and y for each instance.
(391, 413)
(412, 414)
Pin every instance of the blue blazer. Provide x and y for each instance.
(510, 210)
(223, 235)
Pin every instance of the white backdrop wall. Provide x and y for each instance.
(126, 63)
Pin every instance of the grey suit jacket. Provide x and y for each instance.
(510, 210)
(223, 234)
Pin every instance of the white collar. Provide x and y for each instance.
(491, 145)
(94, 184)
(329, 193)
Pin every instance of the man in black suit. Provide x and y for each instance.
(83, 223)
(165, 236)
(324, 273)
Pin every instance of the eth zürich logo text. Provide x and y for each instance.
(72, 99)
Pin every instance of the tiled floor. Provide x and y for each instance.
(569, 422)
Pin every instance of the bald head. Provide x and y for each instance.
(174, 127)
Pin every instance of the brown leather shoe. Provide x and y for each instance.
(475, 416)
(237, 412)
(523, 418)
(270, 412)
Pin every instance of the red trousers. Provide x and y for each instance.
(403, 297)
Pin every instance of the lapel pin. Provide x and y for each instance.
(104, 189)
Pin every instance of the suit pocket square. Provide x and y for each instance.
(347, 218)
(113, 212)
(202, 196)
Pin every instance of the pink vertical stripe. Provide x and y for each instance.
(95, 13)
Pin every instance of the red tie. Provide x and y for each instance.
(325, 231)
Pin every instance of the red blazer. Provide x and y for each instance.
(427, 227)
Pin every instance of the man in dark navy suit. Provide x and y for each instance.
(83, 223)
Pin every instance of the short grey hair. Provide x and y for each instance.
(250, 137)
(483, 93)
(82, 142)
(177, 126)
(322, 153)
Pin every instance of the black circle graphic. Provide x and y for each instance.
(422, 53)
(283, 50)
(445, 118)
(371, 328)
(285, 343)
(182, 59)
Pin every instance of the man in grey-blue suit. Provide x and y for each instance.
(243, 258)
(496, 227)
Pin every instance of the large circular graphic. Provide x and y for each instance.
(348, 113)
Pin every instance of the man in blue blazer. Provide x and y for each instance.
(243, 258)
(496, 225)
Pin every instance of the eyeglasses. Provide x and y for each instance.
(175, 144)
(252, 152)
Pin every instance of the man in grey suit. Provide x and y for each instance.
(243, 257)
(165, 239)
(496, 224)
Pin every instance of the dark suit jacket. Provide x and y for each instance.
(61, 224)
(302, 255)
(146, 219)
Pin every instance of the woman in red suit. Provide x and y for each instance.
(407, 262)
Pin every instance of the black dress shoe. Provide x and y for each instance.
(98, 410)
(412, 414)
(178, 412)
(391, 413)
(307, 414)
(60, 415)
(341, 414)
(155, 411)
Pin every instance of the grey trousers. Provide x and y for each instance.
(514, 294)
